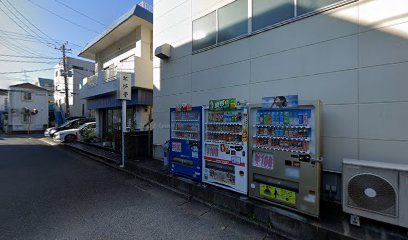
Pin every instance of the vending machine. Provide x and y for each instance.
(285, 160)
(185, 142)
(225, 145)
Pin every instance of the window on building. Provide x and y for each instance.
(204, 31)
(56, 74)
(25, 118)
(267, 13)
(27, 96)
(77, 67)
(233, 20)
(305, 6)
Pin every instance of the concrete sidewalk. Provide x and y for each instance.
(332, 224)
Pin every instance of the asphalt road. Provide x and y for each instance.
(49, 192)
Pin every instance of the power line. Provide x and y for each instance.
(1, 9)
(21, 21)
(22, 56)
(21, 46)
(38, 70)
(82, 14)
(34, 40)
(29, 36)
(17, 48)
(63, 18)
(23, 61)
(19, 51)
(15, 9)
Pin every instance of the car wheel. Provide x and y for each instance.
(69, 138)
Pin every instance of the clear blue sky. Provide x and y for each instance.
(14, 40)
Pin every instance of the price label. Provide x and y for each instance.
(262, 160)
(176, 146)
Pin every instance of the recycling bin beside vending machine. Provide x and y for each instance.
(185, 142)
(284, 156)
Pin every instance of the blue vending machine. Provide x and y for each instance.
(185, 142)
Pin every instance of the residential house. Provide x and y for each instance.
(77, 69)
(3, 107)
(124, 48)
(49, 85)
(27, 108)
(352, 55)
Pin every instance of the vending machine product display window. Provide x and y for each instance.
(285, 160)
(225, 154)
(185, 142)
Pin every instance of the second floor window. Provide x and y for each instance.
(27, 96)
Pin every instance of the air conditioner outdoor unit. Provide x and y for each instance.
(163, 51)
(376, 190)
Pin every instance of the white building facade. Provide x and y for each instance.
(78, 69)
(124, 48)
(3, 108)
(3, 100)
(27, 109)
(352, 55)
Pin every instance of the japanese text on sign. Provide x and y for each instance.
(262, 160)
(125, 86)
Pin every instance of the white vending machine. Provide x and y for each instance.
(225, 154)
(286, 164)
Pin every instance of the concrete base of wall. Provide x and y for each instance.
(332, 224)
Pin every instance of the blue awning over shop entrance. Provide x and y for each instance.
(139, 97)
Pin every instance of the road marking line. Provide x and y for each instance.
(47, 142)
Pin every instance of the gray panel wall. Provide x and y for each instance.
(354, 58)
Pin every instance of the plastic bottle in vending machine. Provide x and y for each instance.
(281, 118)
(300, 117)
(293, 118)
(258, 115)
(286, 118)
(305, 146)
(269, 118)
(305, 118)
(261, 118)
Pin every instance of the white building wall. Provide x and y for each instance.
(74, 85)
(3, 102)
(353, 58)
(16, 104)
(132, 54)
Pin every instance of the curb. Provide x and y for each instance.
(276, 221)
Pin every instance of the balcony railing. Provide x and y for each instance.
(101, 83)
(146, 6)
(109, 74)
(92, 81)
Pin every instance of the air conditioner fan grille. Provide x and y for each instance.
(371, 192)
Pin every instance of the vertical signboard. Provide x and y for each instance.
(125, 86)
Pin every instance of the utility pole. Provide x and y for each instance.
(65, 74)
